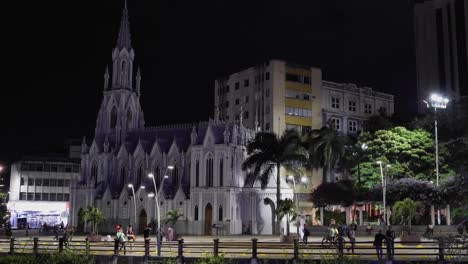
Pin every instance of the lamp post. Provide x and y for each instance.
(156, 197)
(134, 201)
(437, 101)
(383, 190)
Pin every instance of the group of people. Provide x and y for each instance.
(129, 235)
(336, 235)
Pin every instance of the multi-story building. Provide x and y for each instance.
(40, 190)
(347, 106)
(206, 182)
(441, 43)
(273, 96)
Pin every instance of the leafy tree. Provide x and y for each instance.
(326, 149)
(333, 193)
(410, 153)
(268, 153)
(4, 215)
(173, 216)
(403, 212)
(286, 208)
(417, 190)
(93, 215)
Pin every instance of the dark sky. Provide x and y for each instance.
(57, 52)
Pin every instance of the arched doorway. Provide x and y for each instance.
(208, 219)
(142, 220)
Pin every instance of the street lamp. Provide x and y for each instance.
(156, 197)
(363, 148)
(383, 190)
(437, 101)
(134, 200)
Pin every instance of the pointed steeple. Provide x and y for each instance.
(106, 78)
(124, 40)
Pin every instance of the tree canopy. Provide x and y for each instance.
(410, 153)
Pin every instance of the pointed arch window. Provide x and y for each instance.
(157, 174)
(220, 213)
(123, 174)
(175, 176)
(197, 174)
(123, 71)
(139, 175)
(209, 172)
(221, 172)
(129, 118)
(94, 174)
(196, 213)
(113, 117)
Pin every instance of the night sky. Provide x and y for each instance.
(57, 52)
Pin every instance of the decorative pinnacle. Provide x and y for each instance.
(124, 40)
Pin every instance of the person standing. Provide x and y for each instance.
(340, 242)
(390, 242)
(121, 237)
(378, 240)
(306, 234)
(170, 233)
(147, 232)
(352, 239)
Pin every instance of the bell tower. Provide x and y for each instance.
(120, 110)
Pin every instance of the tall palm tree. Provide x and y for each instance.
(326, 149)
(268, 153)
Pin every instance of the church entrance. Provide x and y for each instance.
(208, 219)
(142, 220)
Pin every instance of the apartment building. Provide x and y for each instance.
(273, 96)
(348, 107)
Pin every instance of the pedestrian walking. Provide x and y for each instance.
(306, 234)
(378, 240)
(147, 232)
(390, 242)
(340, 242)
(56, 232)
(352, 239)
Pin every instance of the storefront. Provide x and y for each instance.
(37, 213)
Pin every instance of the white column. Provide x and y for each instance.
(388, 215)
(361, 218)
(348, 215)
(448, 215)
(321, 217)
(432, 215)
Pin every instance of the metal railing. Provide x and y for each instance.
(442, 250)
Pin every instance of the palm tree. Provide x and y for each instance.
(326, 149)
(173, 216)
(93, 215)
(268, 153)
(286, 208)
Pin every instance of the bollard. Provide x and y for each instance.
(12, 246)
(87, 245)
(60, 244)
(216, 247)
(180, 256)
(116, 246)
(254, 249)
(35, 246)
(296, 250)
(147, 247)
(441, 252)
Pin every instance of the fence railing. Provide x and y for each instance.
(449, 249)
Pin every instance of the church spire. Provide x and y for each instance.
(124, 40)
